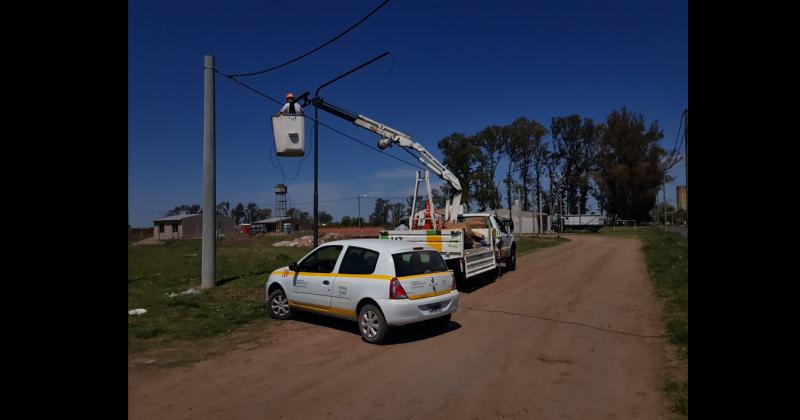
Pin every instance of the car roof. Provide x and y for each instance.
(381, 245)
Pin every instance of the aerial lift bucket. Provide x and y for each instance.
(290, 135)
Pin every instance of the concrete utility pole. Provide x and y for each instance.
(209, 176)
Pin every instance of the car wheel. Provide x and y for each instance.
(512, 260)
(279, 305)
(372, 325)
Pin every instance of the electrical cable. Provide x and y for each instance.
(315, 49)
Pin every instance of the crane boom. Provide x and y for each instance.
(390, 137)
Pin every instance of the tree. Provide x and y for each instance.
(576, 143)
(459, 156)
(185, 208)
(238, 213)
(250, 211)
(380, 215)
(555, 177)
(513, 148)
(485, 191)
(658, 213)
(297, 214)
(490, 141)
(224, 208)
(525, 154)
(347, 221)
(260, 214)
(398, 212)
(325, 218)
(629, 166)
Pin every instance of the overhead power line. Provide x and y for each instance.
(264, 95)
(315, 49)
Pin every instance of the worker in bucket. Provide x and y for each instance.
(290, 108)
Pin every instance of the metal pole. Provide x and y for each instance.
(209, 176)
(316, 139)
(316, 162)
(359, 209)
(686, 158)
(664, 189)
(539, 216)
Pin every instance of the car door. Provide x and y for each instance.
(503, 236)
(312, 282)
(356, 277)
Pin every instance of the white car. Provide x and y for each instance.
(377, 282)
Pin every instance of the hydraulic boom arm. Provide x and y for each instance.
(390, 137)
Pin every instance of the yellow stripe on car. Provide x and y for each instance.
(440, 273)
(346, 276)
(443, 292)
(316, 308)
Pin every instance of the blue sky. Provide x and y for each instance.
(455, 66)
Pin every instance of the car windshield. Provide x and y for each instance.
(418, 262)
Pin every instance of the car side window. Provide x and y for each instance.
(322, 260)
(358, 261)
(500, 225)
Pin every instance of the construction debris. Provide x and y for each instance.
(308, 241)
(191, 291)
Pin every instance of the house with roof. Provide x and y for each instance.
(284, 224)
(189, 226)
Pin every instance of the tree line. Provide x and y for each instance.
(247, 214)
(618, 162)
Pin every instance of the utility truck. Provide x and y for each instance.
(590, 222)
(471, 243)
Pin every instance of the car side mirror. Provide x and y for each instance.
(293, 266)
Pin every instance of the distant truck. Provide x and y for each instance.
(589, 222)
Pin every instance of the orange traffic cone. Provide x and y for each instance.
(428, 224)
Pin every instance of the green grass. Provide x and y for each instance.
(158, 270)
(667, 258)
(678, 394)
(526, 244)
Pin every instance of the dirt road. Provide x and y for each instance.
(570, 334)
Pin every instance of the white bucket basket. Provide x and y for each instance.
(290, 135)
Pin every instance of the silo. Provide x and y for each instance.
(682, 194)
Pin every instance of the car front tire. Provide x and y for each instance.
(278, 305)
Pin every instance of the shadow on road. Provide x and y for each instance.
(398, 335)
(476, 283)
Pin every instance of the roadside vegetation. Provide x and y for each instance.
(667, 258)
(157, 271)
(527, 244)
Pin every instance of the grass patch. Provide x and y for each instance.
(527, 244)
(667, 258)
(156, 271)
(678, 394)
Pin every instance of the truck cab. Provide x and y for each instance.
(501, 231)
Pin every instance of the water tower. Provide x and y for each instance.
(280, 200)
(682, 196)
